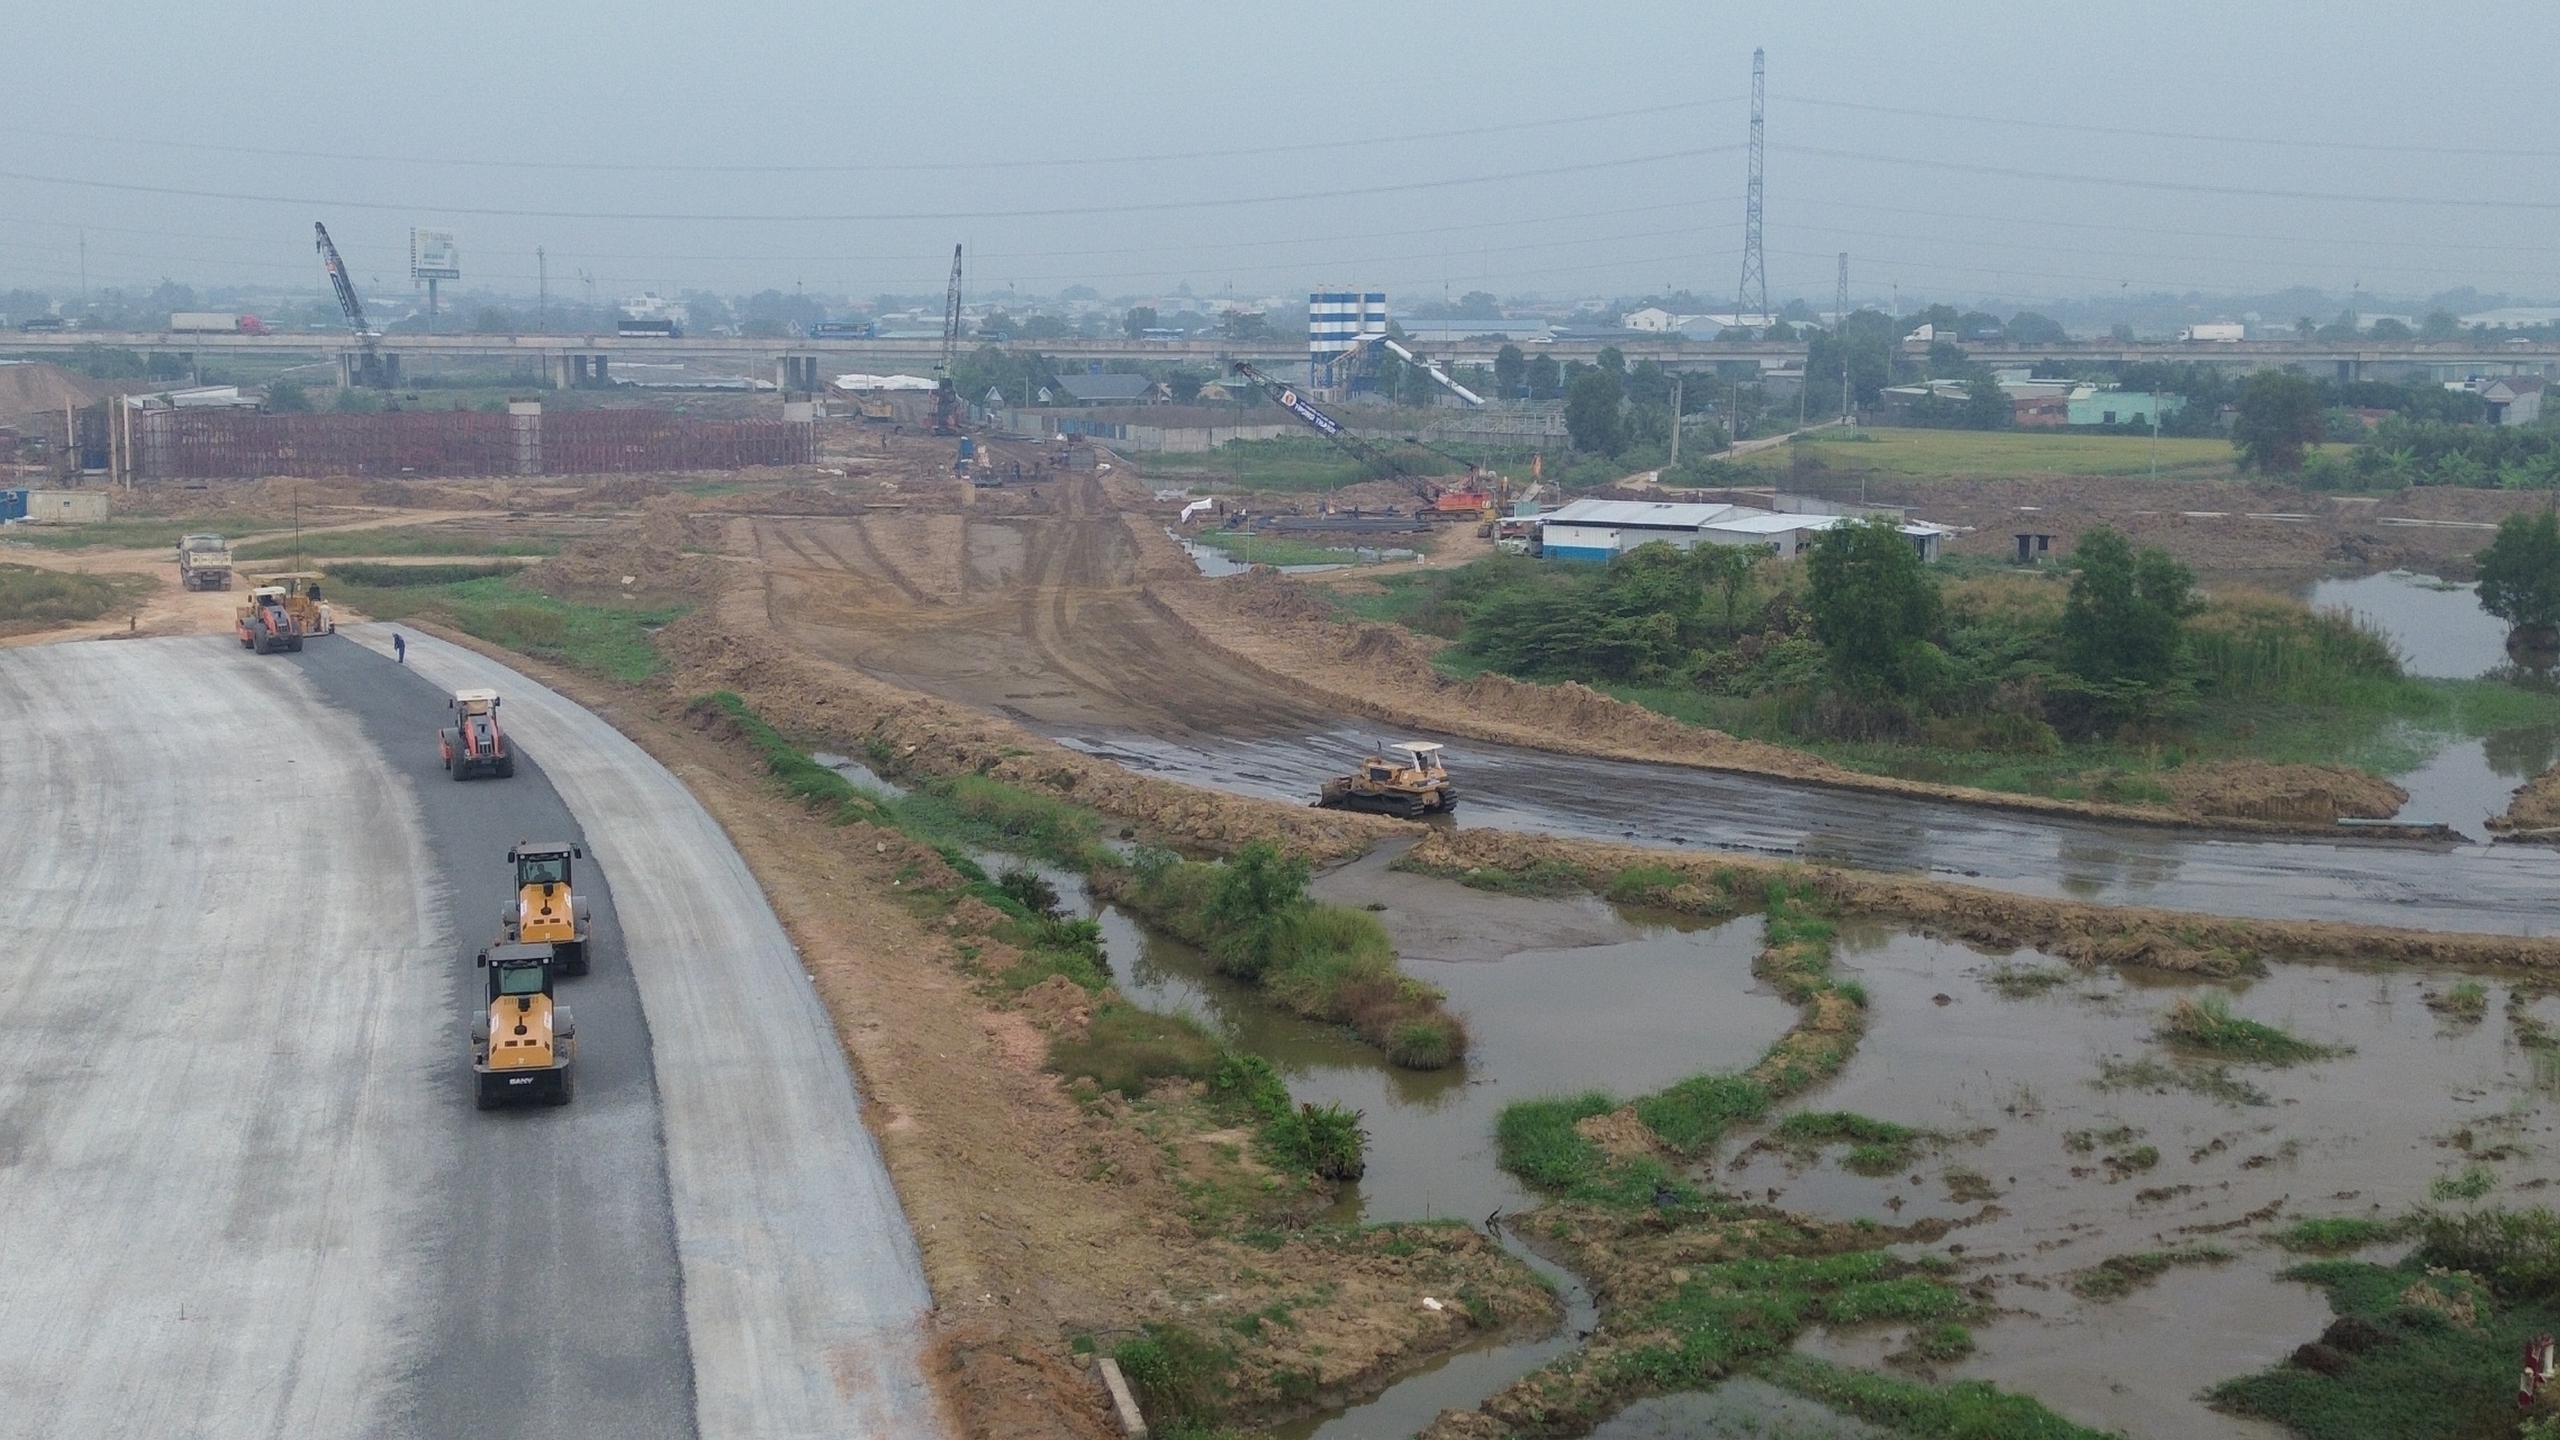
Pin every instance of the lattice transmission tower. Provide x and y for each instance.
(1754, 299)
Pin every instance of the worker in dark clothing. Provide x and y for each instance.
(399, 647)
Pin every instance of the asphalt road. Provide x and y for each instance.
(804, 1297)
(242, 1187)
(2500, 888)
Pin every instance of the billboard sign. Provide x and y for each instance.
(433, 256)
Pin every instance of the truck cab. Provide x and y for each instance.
(547, 910)
(523, 1042)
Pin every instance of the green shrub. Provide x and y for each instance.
(1180, 1377)
(2474, 1182)
(1032, 892)
(2516, 1251)
(1324, 1139)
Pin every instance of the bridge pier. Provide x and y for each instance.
(583, 372)
(378, 371)
(797, 374)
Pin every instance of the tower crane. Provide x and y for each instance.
(947, 410)
(369, 367)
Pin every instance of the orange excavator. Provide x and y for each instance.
(523, 1043)
(547, 911)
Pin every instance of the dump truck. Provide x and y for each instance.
(546, 910)
(1407, 779)
(474, 745)
(204, 562)
(524, 1044)
(266, 624)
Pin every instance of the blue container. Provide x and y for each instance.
(13, 505)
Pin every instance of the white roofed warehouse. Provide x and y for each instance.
(1605, 529)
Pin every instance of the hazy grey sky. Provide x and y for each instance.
(1490, 146)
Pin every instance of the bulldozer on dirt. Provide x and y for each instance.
(267, 624)
(547, 911)
(474, 745)
(1406, 778)
(524, 1045)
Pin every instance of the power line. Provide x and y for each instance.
(653, 168)
(2360, 147)
(2252, 192)
(1057, 212)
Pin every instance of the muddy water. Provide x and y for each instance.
(2362, 1134)
(1744, 1409)
(2442, 633)
(2447, 887)
(1217, 563)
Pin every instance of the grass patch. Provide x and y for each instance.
(1299, 463)
(1996, 454)
(2214, 1082)
(2019, 982)
(1692, 1116)
(1876, 1147)
(1180, 1376)
(1127, 1049)
(32, 599)
(2120, 1275)
(2205, 1023)
(2418, 1351)
(2338, 1235)
(608, 640)
(2466, 1003)
(137, 532)
(411, 577)
(1535, 1140)
(1966, 1410)
(391, 541)
(2473, 1182)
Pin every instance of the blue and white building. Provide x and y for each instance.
(1337, 320)
(1606, 529)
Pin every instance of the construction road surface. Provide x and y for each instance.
(243, 1190)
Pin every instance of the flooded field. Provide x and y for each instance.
(2085, 1137)
(2442, 633)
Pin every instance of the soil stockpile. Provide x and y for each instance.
(2535, 808)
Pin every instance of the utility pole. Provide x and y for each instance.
(1675, 423)
(1840, 310)
(1754, 297)
(542, 301)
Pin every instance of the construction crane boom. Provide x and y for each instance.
(369, 368)
(1436, 373)
(947, 411)
(1287, 398)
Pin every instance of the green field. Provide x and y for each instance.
(1277, 549)
(1289, 463)
(138, 532)
(1998, 454)
(394, 540)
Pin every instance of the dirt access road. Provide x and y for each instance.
(311, 1225)
(1037, 615)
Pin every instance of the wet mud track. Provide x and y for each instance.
(2501, 889)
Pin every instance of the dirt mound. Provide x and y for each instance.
(2287, 794)
(669, 556)
(1061, 1007)
(1265, 593)
(1618, 1134)
(1576, 709)
(35, 390)
(2536, 806)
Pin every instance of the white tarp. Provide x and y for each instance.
(883, 382)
